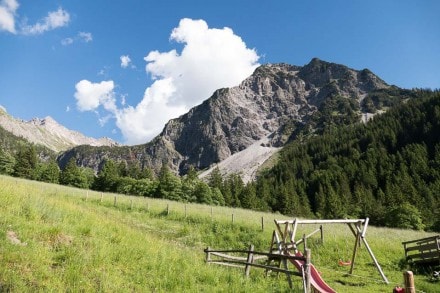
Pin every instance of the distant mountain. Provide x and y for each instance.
(49, 133)
(276, 104)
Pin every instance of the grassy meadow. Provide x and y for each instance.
(59, 239)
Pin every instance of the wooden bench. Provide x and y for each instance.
(423, 251)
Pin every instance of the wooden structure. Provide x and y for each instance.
(284, 238)
(251, 258)
(423, 251)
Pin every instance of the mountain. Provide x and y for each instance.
(276, 104)
(49, 133)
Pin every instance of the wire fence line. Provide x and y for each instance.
(260, 220)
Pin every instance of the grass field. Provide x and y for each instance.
(60, 239)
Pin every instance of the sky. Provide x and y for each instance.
(122, 69)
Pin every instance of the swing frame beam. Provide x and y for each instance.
(358, 227)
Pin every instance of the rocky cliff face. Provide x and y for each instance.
(49, 133)
(276, 94)
(262, 107)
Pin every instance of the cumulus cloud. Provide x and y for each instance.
(89, 96)
(54, 19)
(210, 59)
(125, 61)
(7, 15)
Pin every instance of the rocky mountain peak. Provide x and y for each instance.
(49, 133)
(275, 94)
(254, 119)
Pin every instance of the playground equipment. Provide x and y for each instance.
(283, 238)
(284, 250)
(252, 258)
(315, 278)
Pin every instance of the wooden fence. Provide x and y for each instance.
(253, 258)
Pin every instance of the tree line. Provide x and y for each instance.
(387, 169)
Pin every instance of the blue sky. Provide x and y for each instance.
(121, 69)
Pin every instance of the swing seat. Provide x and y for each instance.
(344, 263)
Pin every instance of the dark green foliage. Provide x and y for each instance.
(170, 185)
(49, 172)
(7, 162)
(72, 175)
(25, 162)
(387, 169)
(107, 177)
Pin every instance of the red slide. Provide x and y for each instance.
(316, 281)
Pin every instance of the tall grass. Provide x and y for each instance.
(75, 240)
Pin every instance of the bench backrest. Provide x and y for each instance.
(423, 250)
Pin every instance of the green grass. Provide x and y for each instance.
(79, 241)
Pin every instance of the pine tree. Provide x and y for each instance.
(71, 175)
(107, 177)
(170, 186)
(50, 173)
(215, 178)
(7, 162)
(203, 193)
(25, 162)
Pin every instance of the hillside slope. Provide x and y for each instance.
(53, 238)
(387, 169)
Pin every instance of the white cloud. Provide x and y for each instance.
(7, 15)
(81, 36)
(210, 59)
(125, 61)
(89, 96)
(86, 37)
(141, 123)
(53, 20)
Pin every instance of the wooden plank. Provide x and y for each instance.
(228, 256)
(428, 246)
(422, 239)
(425, 255)
(336, 221)
(241, 265)
(226, 264)
(261, 255)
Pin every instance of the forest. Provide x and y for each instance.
(387, 169)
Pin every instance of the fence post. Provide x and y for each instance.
(322, 234)
(262, 223)
(131, 204)
(307, 270)
(249, 261)
(114, 202)
(87, 195)
(408, 278)
(208, 255)
(305, 242)
(232, 218)
(102, 195)
(168, 209)
(211, 213)
(185, 211)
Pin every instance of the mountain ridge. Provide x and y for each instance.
(49, 133)
(277, 102)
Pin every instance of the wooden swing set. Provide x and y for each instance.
(284, 237)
